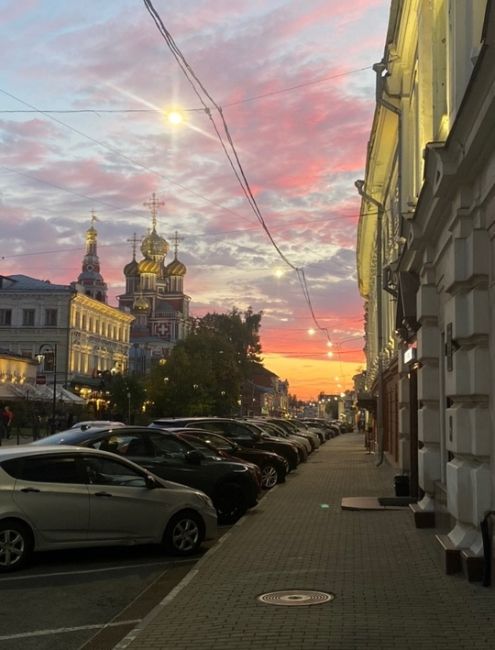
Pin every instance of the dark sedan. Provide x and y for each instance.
(239, 432)
(232, 486)
(273, 467)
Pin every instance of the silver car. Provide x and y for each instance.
(68, 497)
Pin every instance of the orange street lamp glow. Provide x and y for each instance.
(279, 273)
(329, 354)
(311, 331)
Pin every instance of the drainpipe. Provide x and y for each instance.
(381, 91)
(379, 315)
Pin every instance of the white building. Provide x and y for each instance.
(37, 317)
(426, 261)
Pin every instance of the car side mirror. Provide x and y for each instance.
(150, 482)
(194, 457)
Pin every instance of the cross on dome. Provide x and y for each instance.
(153, 205)
(177, 239)
(134, 240)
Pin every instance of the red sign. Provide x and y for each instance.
(41, 379)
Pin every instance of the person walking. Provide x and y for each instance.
(7, 417)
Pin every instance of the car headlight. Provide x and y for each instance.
(205, 499)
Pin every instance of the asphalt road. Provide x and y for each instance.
(84, 599)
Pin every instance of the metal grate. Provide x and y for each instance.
(292, 597)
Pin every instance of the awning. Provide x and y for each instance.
(366, 401)
(44, 393)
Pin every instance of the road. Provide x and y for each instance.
(84, 599)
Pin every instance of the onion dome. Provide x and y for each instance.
(132, 268)
(175, 268)
(149, 266)
(154, 246)
(141, 304)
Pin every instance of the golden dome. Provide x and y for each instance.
(141, 304)
(132, 268)
(175, 268)
(154, 246)
(149, 266)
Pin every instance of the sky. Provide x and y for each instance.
(85, 94)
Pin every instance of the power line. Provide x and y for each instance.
(232, 155)
(118, 153)
(98, 111)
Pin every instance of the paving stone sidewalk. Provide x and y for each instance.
(385, 574)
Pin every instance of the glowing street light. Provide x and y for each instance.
(311, 331)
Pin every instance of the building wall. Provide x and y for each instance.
(88, 335)
(440, 66)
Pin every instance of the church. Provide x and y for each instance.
(154, 295)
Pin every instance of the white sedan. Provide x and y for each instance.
(69, 497)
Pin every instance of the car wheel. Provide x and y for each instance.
(16, 545)
(184, 533)
(269, 476)
(230, 503)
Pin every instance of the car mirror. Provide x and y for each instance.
(194, 457)
(150, 482)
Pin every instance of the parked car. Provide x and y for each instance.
(273, 467)
(238, 431)
(54, 497)
(321, 424)
(275, 431)
(97, 424)
(292, 428)
(233, 486)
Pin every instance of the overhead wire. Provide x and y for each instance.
(118, 153)
(232, 156)
(97, 111)
(240, 175)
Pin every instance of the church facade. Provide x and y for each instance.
(154, 295)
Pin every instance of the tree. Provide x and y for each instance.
(127, 394)
(205, 372)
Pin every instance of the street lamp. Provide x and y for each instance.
(129, 406)
(50, 348)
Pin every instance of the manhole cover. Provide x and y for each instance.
(295, 597)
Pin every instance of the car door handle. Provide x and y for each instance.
(30, 489)
(103, 494)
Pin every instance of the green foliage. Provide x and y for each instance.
(205, 372)
(127, 394)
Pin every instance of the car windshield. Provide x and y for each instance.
(69, 437)
(199, 444)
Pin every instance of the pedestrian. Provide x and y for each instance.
(7, 417)
(3, 429)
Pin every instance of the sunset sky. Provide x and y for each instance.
(294, 80)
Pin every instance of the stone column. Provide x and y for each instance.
(428, 342)
(468, 385)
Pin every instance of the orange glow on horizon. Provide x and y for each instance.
(307, 377)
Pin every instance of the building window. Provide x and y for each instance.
(28, 317)
(51, 317)
(6, 317)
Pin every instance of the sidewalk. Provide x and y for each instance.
(389, 589)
